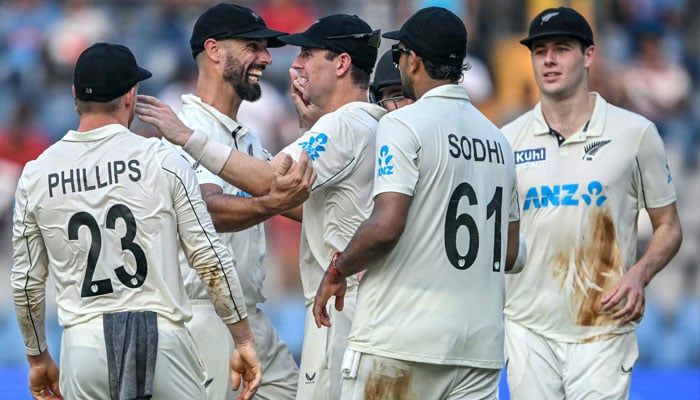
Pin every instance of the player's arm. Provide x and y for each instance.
(664, 244)
(28, 279)
(375, 237)
(655, 193)
(243, 171)
(215, 267)
(516, 253)
(283, 183)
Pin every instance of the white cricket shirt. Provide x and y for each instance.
(102, 211)
(580, 202)
(437, 297)
(247, 246)
(341, 147)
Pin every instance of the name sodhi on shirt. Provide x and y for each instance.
(76, 180)
(475, 149)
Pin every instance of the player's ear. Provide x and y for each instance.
(211, 48)
(130, 96)
(343, 62)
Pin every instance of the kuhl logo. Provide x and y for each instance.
(530, 156)
(564, 195)
(315, 145)
(384, 161)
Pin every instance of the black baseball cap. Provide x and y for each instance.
(562, 21)
(385, 74)
(105, 71)
(341, 33)
(228, 21)
(436, 34)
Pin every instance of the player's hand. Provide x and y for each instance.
(43, 377)
(307, 112)
(154, 112)
(245, 364)
(291, 183)
(628, 295)
(331, 285)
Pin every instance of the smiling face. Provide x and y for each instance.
(561, 66)
(315, 74)
(246, 60)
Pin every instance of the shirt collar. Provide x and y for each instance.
(95, 134)
(372, 109)
(449, 90)
(593, 128)
(230, 124)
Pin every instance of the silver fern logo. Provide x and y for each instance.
(591, 150)
(547, 17)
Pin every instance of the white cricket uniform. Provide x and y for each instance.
(437, 297)
(248, 247)
(580, 202)
(341, 147)
(103, 211)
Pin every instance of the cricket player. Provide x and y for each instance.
(585, 169)
(230, 45)
(330, 77)
(105, 211)
(385, 90)
(442, 234)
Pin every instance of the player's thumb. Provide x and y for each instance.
(286, 164)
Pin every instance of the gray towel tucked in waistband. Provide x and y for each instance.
(131, 339)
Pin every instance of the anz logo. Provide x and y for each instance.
(315, 145)
(385, 167)
(571, 194)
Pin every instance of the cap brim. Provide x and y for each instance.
(143, 74)
(528, 41)
(396, 35)
(301, 40)
(271, 35)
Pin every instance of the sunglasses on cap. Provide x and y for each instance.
(373, 38)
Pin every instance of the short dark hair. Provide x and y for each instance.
(451, 73)
(359, 77)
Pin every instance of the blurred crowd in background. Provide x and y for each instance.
(648, 60)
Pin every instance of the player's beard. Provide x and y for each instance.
(407, 87)
(237, 75)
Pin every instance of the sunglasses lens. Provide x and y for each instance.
(395, 54)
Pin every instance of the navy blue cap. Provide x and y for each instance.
(228, 21)
(436, 34)
(341, 33)
(562, 21)
(105, 71)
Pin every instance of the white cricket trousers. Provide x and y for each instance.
(383, 378)
(323, 350)
(179, 371)
(279, 380)
(543, 369)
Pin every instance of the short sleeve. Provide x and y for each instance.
(331, 147)
(653, 180)
(397, 158)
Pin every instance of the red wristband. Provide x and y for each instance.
(332, 269)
